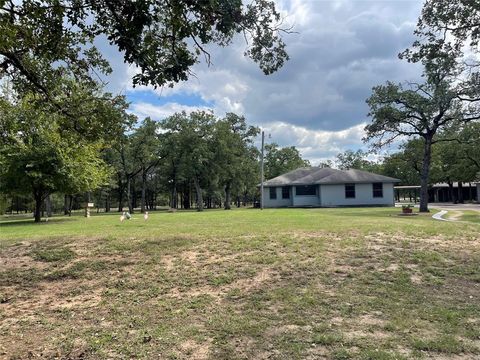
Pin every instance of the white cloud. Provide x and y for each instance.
(143, 110)
(317, 101)
(316, 145)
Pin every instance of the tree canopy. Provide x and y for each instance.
(41, 41)
(422, 110)
(281, 160)
(39, 158)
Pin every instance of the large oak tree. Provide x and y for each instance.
(422, 110)
(43, 39)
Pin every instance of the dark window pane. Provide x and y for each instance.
(286, 192)
(377, 190)
(273, 193)
(350, 191)
(306, 190)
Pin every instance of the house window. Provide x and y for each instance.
(273, 193)
(286, 192)
(377, 190)
(350, 191)
(306, 190)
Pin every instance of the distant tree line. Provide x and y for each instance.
(453, 161)
(51, 160)
(61, 134)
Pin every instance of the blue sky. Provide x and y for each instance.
(341, 49)
(156, 99)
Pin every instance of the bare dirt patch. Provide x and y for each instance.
(194, 350)
(219, 292)
(50, 297)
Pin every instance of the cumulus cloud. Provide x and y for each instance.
(340, 50)
(316, 145)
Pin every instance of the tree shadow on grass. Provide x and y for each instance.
(30, 222)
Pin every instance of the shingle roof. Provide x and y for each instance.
(317, 175)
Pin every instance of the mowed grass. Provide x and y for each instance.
(471, 216)
(241, 284)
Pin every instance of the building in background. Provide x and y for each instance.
(326, 187)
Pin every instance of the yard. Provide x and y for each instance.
(241, 284)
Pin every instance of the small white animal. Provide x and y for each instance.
(145, 216)
(127, 215)
(122, 217)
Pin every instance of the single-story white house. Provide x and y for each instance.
(325, 187)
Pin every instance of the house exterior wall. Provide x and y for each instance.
(278, 202)
(306, 200)
(330, 196)
(334, 195)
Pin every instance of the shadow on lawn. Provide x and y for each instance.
(30, 221)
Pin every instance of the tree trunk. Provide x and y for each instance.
(174, 188)
(228, 199)
(65, 205)
(133, 195)
(451, 193)
(70, 204)
(38, 206)
(209, 202)
(460, 192)
(107, 202)
(48, 205)
(186, 196)
(144, 186)
(198, 189)
(425, 173)
(174, 196)
(120, 193)
(129, 195)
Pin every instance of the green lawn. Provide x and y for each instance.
(471, 216)
(241, 284)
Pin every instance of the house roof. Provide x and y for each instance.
(317, 175)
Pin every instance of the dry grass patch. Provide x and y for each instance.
(307, 284)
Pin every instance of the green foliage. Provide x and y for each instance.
(43, 161)
(47, 151)
(42, 41)
(3, 203)
(235, 157)
(281, 160)
(446, 27)
(357, 160)
(459, 154)
(216, 155)
(422, 111)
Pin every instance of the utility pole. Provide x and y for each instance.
(261, 172)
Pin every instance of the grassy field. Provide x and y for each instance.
(242, 284)
(470, 216)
